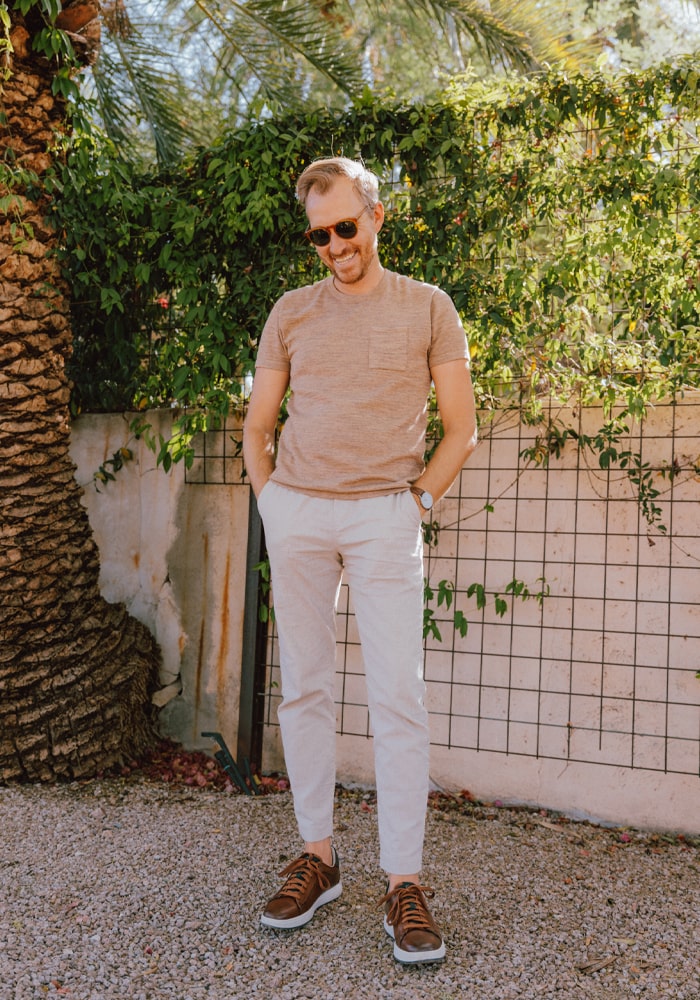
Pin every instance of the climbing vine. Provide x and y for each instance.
(560, 213)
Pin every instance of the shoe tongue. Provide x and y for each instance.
(410, 903)
(319, 860)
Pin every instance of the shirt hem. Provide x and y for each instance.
(322, 494)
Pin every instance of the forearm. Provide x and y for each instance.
(455, 400)
(260, 427)
(258, 456)
(446, 463)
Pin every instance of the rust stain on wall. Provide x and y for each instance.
(222, 659)
(200, 649)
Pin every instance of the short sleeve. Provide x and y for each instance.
(272, 351)
(448, 337)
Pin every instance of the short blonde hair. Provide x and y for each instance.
(321, 174)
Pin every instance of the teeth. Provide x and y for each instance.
(342, 260)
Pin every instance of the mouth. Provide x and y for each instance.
(346, 258)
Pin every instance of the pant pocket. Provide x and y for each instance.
(264, 494)
(414, 511)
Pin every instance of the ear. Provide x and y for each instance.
(378, 216)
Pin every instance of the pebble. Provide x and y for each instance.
(166, 907)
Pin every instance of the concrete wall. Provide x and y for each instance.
(175, 554)
(588, 704)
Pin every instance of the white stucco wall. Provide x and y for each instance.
(588, 705)
(175, 555)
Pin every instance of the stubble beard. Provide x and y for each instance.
(352, 277)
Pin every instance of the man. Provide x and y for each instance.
(345, 495)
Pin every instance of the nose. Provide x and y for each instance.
(337, 243)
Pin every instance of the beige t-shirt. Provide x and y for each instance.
(359, 370)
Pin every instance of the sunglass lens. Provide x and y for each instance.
(346, 229)
(319, 237)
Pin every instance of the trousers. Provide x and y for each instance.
(376, 544)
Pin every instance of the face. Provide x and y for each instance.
(354, 262)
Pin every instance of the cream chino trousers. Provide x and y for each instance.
(377, 545)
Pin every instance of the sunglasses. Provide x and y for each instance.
(346, 229)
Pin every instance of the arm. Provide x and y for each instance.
(455, 399)
(269, 387)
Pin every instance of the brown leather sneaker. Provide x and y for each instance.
(408, 921)
(310, 883)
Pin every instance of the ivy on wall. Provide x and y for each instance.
(561, 214)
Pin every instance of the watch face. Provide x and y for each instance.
(426, 500)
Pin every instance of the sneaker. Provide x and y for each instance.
(408, 921)
(310, 883)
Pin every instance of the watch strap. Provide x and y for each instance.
(418, 492)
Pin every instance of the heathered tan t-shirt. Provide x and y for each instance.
(359, 369)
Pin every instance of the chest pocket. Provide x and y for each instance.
(388, 348)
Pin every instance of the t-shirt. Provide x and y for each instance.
(359, 370)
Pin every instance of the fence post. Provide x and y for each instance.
(253, 656)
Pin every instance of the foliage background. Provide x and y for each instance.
(174, 73)
(560, 213)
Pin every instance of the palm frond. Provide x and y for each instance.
(518, 34)
(274, 40)
(140, 94)
(488, 31)
(179, 69)
(546, 24)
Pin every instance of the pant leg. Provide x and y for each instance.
(306, 573)
(382, 550)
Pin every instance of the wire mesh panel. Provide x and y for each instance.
(563, 570)
(578, 597)
(217, 458)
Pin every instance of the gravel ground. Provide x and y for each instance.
(138, 890)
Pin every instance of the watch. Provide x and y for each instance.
(426, 499)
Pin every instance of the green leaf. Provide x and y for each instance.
(461, 623)
(477, 590)
(445, 593)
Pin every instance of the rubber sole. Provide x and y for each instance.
(303, 918)
(414, 957)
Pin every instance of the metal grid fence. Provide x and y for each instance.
(217, 458)
(603, 668)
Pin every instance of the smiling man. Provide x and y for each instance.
(344, 495)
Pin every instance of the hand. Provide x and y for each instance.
(419, 505)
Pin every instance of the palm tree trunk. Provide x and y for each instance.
(75, 671)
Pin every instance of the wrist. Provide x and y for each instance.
(259, 485)
(423, 497)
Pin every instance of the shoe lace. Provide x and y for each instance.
(407, 907)
(299, 875)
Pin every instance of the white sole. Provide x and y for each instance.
(414, 957)
(288, 925)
